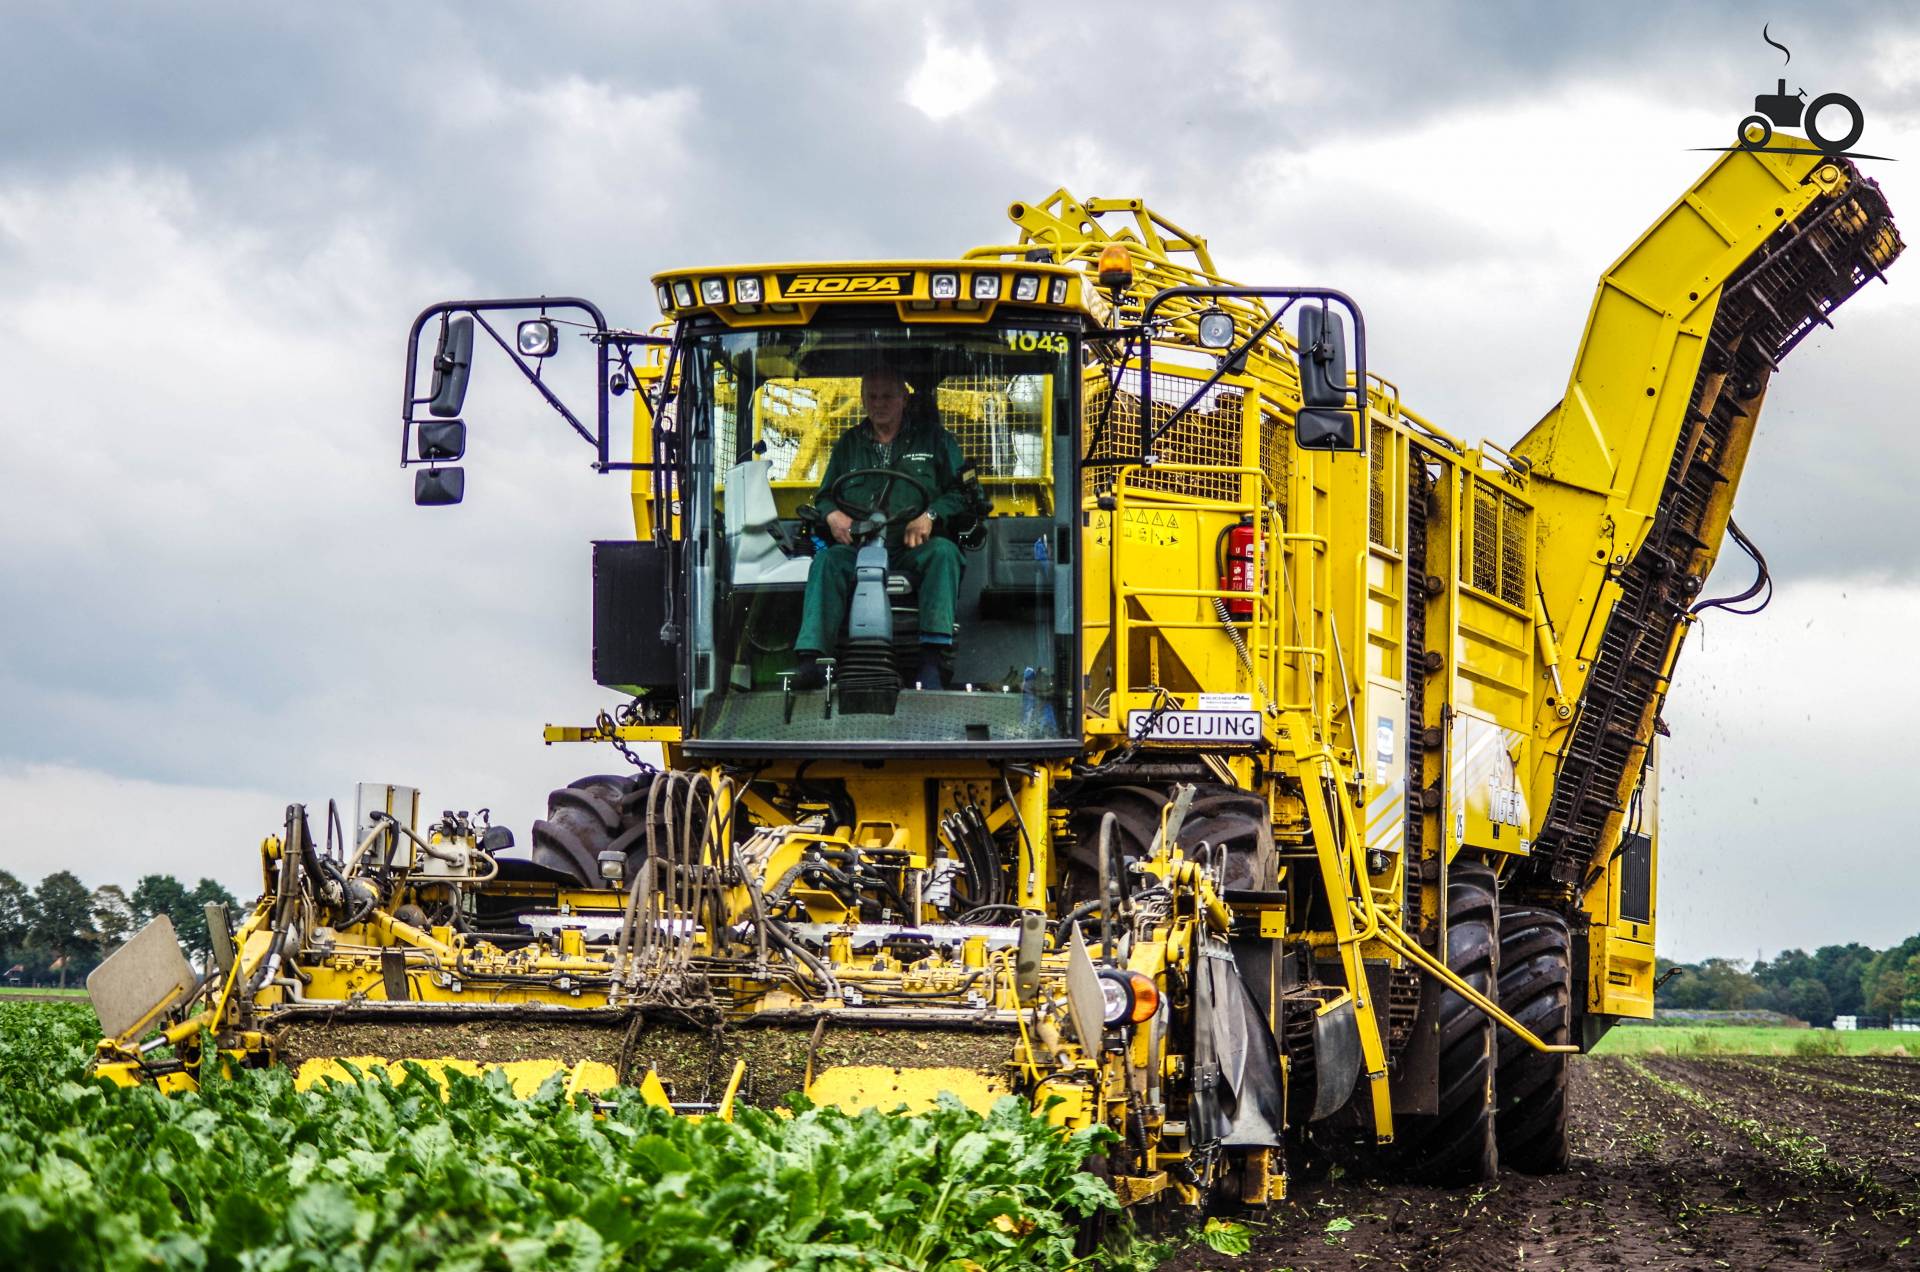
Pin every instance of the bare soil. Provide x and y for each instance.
(1734, 1162)
(693, 1062)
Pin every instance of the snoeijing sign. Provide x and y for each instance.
(1195, 728)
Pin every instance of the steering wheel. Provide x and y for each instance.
(889, 478)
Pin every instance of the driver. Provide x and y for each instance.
(918, 447)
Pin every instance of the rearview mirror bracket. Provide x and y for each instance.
(452, 361)
(1331, 400)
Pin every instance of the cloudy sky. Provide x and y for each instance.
(217, 220)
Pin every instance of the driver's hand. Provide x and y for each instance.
(918, 530)
(840, 526)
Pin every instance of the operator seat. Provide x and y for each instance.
(755, 546)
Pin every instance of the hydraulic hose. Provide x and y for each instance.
(785, 940)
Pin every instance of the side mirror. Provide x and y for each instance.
(451, 362)
(1323, 357)
(438, 487)
(440, 440)
(1324, 422)
(1315, 429)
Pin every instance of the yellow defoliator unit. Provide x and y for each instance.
(1159, 722)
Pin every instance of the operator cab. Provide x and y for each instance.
(761, 410)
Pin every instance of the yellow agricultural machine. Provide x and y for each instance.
(1289, 775)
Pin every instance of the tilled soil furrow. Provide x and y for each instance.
(1858, 1088)
(1725, 1203)
(1665, 1175)
(1873, 1136)
(1888, 1072)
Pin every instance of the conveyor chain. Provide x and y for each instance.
(1789, 286)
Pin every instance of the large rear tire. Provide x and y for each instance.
(1456, 1145)
(1536, 962)
(589, 817)
(1226, 818)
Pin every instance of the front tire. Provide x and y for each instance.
(1457, 1144)
(1536, 989)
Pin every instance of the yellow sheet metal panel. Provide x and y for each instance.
(854, 1087)
(525, 1076)
(1619, 975)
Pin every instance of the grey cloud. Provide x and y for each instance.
(223, 579)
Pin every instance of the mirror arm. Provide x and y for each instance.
(410, 399)
(1148, 433)
(1239, 351)
(533, 378)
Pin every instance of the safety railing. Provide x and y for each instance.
(1260, 640)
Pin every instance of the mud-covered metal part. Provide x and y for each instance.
(1837, 246)
(1336, 1059)
(1238, 1098)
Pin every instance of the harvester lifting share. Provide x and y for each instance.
(1286, 745)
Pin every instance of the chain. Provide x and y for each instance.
(626, 715)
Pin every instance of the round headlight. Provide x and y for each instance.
(1116, 997)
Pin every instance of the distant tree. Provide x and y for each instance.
(1808, 1000)
(16, 916)
(1910, 995)
(1884, 991)
(64, 924)
(1780, 974)
(1891, 980)
(1718, 984)
(113, 919)
(1841, 968)
(159, 894)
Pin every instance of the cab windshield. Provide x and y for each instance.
(879, 528)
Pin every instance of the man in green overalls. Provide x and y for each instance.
(922, 449)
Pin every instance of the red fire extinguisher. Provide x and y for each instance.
(1237, 573)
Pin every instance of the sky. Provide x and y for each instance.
(217, 221)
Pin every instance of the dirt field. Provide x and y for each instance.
(1733, 1162)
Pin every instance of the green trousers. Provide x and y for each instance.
(934, 567)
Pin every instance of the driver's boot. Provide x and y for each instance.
(932, 672)
(809, 675)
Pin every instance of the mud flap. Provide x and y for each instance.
(393, 975)
(1336, 1058)
(1238, 1098)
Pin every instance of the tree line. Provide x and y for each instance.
(62, 930)
(1834, 980)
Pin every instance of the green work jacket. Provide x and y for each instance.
(922, 449)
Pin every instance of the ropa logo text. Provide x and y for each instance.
(792, 285)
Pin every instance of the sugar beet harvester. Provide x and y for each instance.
(1292, 771)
